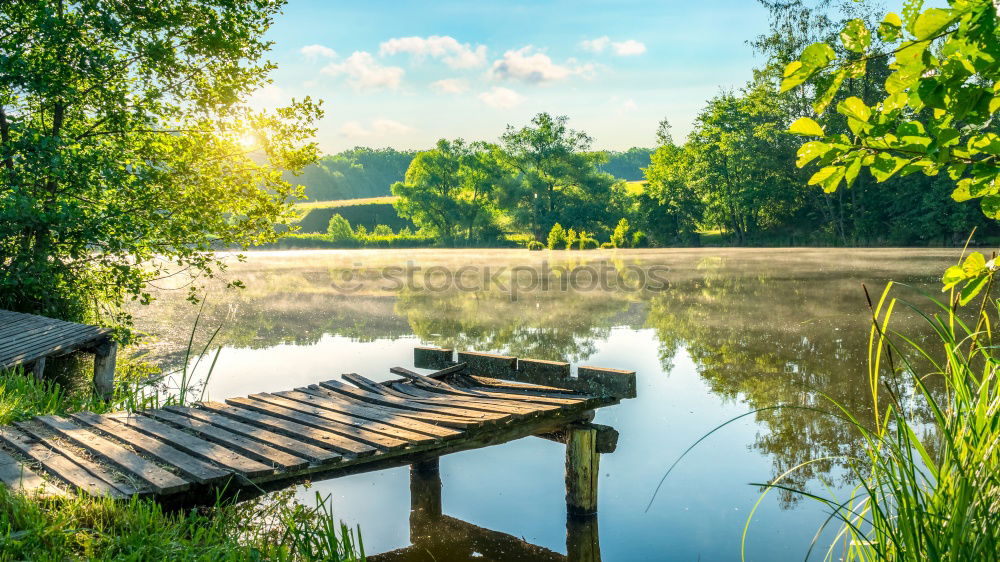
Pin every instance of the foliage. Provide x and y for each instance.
(619, 238)
(639, 239)
(535, 245)
(935, 112)
(368, 214)
(557, 180)
(607, 246)
(339, 229)
(626, 165)
(557, 237)
(357, 173)
(272, 527)
(452, 191)
(124, 141)
(570, 238)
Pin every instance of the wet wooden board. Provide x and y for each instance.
(424, 413)
(410, 404)
(246, 446)
(193, 468)
(159, 480)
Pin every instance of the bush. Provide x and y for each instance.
(639, 239)
(587, 244)
(607, 245)
(382, 230)
(619, 238)
(557, 237)
(570, 239)
(339, 229)
(534, 245)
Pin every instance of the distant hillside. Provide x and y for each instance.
(368, 212)
(362, 172)
(357, 173)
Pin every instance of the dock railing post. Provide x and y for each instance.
(105, 358)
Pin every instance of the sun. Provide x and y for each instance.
(248, 140)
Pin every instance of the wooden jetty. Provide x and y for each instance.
(333, 428)
(28, 339)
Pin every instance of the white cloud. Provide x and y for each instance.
(380, 127)
(450, 86)
(269, 97)
(627, 106)
(628, 48)
(448, 49)
(596, 45)
(318, 51)
(364, 73)
(533, 67)
(501, 98)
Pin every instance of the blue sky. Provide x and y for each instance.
(404, 74)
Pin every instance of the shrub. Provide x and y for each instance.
(361, 232)
(557, 237)
(534, 245)
(339, 229)
(607, 245)
(586, 243)
(639, 239)
(570, 238)
(619, 238)
(382, 230)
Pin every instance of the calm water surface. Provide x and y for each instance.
(712, 334)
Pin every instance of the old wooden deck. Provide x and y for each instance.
(328, 429)
(27, 339)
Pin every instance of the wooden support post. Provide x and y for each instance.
(582, 542)
(425, 500)
(582, 468)
(105, 357)
(38, 368)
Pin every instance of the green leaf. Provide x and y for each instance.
(828, 177)
(814, 58)
(855, 36)
(932, 22)
(952, 276)
(890, 28)
(974, 264)
(852, 171)
(810, 151)
(885, 166)
(991, 206)
(821, 103)
(855, 108)
(961, 192)
(971, 289)
(806, 127)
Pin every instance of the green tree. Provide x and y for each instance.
(619, 238)
(126, 149)
(451, 191)
(570, 238)
(557, 237)
(339, 229)
(557, 178)
(669, 208)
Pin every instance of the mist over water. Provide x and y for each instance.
(726, 331)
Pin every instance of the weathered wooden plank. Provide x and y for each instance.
(276, 440)
(410, 404)
(356, 433)
(20, 478)
(159, 480)
(371, 386)
(582, 470)
(441, 387)
(121, 482)
(365, 423)
(244, 445)
(195, 446)
(473, 403)
(45, 335)
(369, 411)
(425, 413)
(57, 464)
(301, 432)
(192, 467)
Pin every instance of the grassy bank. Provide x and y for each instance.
(272, 527)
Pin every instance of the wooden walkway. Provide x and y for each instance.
(27, 339)
(333, 428)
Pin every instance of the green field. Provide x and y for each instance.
(635, 187)
(309, 205)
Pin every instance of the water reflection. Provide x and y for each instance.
(757, 327)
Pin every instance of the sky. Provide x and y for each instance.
(404, 74)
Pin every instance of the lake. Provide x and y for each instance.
(713, 333)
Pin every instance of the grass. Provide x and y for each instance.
(928, 481)
(270, 527)
(309, 205)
